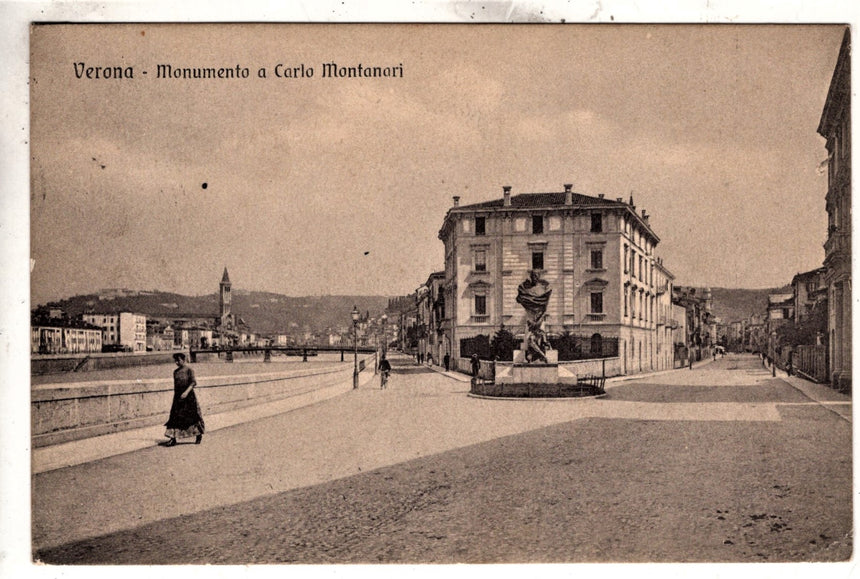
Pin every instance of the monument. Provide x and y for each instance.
(535, 372)
(533, 294)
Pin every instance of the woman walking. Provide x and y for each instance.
(185, 418)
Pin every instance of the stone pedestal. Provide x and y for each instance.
(520, 357)
(522, 372)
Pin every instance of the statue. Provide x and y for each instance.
(533, 294)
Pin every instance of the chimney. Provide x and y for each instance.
(568, 194)
(456, 200)
(620, 199)
(507, 190)
(600, 195)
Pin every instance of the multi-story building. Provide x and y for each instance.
(432, 341)
(125, 329)
(809, 290)
(60, 335)
(665, 319)
(596, 254)
(835, 126)
(159, 335)
(700, 326)
(780, 309)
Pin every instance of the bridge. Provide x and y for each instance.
(303, 351)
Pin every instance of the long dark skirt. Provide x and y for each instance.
(185, 418)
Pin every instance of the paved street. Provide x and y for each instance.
(719, 463)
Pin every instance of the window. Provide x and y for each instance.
(626, 266)
(480, 305)
(596, 302)
(640, 268)
(537, 260)
(596, 222)
(596, 259)
(633, 263)
(480, 225)
(537, 224)
(811, 286)
(626, 298)
(480, 260)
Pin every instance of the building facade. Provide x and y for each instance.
(835, 127)
(597, 255)
(64, 336)
(433, 343)
(809, 290)
(700, 328)
(123, 329)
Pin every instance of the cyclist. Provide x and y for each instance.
(384, 371)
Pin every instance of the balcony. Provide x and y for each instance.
(838, 242)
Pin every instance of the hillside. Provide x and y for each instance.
(731, 305)
(265, 313)
(270, 313)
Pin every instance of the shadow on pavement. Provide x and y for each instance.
(770, 391)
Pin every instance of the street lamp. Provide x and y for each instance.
(384, 333)
(355, 315)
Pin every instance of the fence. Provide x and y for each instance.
(810, 362)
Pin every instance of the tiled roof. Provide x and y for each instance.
(815, 273)
(530, 200)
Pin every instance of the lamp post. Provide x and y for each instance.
(384, 334)
(355, 316)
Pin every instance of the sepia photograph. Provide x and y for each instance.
(516, 291)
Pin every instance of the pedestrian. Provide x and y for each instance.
(185, 419)
(476, 367)
(430, 359)
(447, 360)
(420, 357)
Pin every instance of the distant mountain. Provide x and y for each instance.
(270, 313)
(731, 305)
(264, 312)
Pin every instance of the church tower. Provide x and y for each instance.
(226, 309)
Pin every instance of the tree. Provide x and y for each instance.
(503, 345)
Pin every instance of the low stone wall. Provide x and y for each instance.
(60, 413)
(607, 367)
(60, 363)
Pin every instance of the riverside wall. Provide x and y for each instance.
(72, 411)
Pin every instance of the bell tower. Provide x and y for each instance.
(225, 299)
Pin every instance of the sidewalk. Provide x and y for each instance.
(90, 449)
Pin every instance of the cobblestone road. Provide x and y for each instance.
(722, 463)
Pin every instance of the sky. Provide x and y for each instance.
(316, 186)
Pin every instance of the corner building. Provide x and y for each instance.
(835, 126)
(596, 254)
